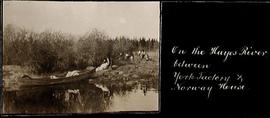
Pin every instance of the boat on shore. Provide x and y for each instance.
(27, 81)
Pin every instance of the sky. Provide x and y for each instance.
(131, 19)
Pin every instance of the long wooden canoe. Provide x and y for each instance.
(27, 81)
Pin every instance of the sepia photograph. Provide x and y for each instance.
(80, 57)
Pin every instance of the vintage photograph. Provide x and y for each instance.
(80, 57)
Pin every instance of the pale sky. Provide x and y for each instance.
(131, 19)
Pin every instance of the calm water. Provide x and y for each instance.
(84, 97)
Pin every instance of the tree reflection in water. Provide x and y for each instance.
(76, 98)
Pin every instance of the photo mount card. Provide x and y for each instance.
(64, 58)
(186, 59)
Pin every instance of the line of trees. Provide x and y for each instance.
(51, 51)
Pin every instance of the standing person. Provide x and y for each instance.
(142, 54)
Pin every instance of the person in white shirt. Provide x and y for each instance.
(104, 66)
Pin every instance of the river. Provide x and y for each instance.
(83, 97)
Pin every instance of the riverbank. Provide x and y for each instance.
(138, 71)
(132, 72)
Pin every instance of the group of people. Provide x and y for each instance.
(126, 56)
(130, 56)
(107, 62)
(143, 55)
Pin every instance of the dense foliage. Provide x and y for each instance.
(51, 51)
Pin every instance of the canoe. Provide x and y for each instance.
(27, 81)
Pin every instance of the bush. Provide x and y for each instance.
(93, 47)
(49, 51)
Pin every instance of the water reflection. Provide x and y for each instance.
(84, 97)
